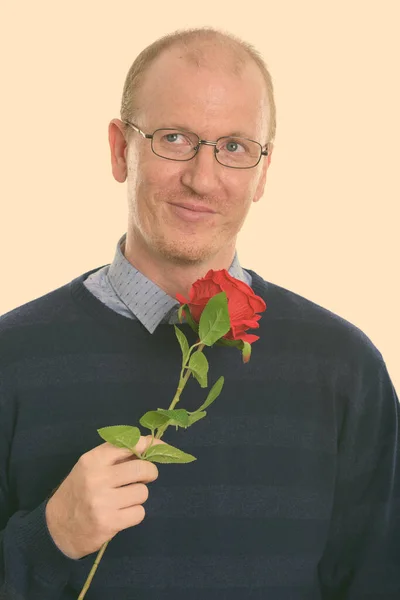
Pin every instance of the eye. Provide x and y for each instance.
(234, 146)
(171, 137)
(176, 138)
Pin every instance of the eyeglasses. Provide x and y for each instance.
(230, 151)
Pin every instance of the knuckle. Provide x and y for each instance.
(85, 458)
(144, 470)
(85, 463)
(94, 514)
(95, 504)
(87, 485)
(102, 524)
(136, 470)
(143, 443)
(141, 469)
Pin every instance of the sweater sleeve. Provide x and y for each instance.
(362, 557)
(31, 565)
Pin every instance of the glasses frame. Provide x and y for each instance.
(150, 136)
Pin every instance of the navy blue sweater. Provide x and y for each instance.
(293, 493)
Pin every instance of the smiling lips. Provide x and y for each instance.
(195, 207)
(192, 212)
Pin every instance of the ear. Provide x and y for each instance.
(263, 176)
(118, 147)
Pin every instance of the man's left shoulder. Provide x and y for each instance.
(299, 318)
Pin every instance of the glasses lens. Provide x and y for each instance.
(238, 152)
(174, 144)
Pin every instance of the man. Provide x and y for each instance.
(293, 494)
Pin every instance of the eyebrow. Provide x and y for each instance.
(232, 134)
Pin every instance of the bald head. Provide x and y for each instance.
(213, 51)
(204, 48)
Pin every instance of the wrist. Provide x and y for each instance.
(58, 537)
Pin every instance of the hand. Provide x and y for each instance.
(102, 495)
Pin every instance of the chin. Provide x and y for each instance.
(185, 253)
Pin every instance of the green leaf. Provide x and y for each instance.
(196, 417)
(180, 311)
(164, 453)
(213, 393)
(188, 317)
(246, 352)
(184, 344)
(178, 416)
(214, 320)
(198, 364)
(152, 420)
(121, 436)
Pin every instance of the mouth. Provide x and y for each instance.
(195, 207)
(192, 212)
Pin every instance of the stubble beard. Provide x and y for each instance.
(178, 249)
(156, 235)
(181, 252)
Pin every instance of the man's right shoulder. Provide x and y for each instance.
(43, 309)
(34, 310)
(52, 306)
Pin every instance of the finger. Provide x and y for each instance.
(128, 517)
(132, 471)
(142, 445)
(130, 495)
(145, 441)
(107, 454)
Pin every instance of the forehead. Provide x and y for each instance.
(217, 96)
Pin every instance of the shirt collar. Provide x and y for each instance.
(145, 299)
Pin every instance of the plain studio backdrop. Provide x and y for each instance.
(327, 227)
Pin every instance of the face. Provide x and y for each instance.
(211, 103)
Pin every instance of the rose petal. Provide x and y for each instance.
(181, 299)
(243, 303)
(250, 338)
(248, 324)
(204, 288)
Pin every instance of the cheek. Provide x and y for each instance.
(158, 176)
(241, 192)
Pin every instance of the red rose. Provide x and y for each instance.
(243, 304)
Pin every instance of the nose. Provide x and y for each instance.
(202, 172)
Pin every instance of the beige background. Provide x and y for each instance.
(327, 227)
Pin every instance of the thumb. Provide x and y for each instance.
(145, 441)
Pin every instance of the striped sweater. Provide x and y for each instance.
(295, 491)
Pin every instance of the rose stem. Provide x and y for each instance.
(182, 382)
(92, 571)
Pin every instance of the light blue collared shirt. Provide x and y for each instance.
(128, 292)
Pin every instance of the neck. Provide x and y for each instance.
(171, 277)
